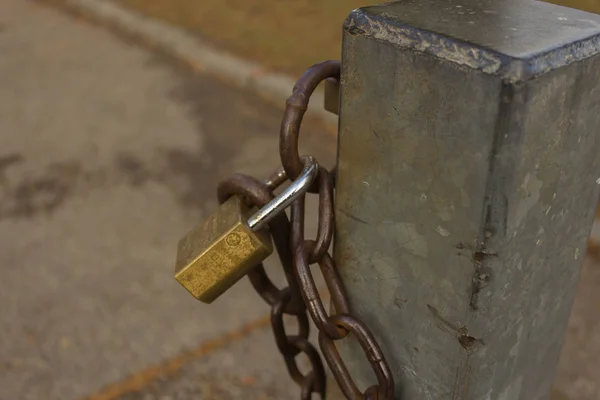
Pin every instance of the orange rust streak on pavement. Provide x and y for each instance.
(148, 375)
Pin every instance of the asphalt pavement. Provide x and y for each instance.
(109, 153)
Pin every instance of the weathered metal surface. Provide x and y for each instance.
(469, 151)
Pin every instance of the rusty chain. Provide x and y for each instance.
(301, 298)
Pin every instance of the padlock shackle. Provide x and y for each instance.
(291, 193)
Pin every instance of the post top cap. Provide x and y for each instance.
(512, 38)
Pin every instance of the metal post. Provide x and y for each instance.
(469, 157)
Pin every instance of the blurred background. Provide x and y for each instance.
(284, 35)
(110, 150)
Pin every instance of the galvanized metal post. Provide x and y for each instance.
(469, 158)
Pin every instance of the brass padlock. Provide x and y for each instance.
(219, 252)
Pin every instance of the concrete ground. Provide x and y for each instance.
(108, 154)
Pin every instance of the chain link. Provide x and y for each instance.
(282, 301)
(301, 298)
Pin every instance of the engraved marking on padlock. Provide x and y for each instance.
(233, 239)
(219, 252)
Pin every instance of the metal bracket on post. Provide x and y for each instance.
(469, 151)
(332, 96)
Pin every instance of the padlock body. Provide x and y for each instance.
(220, 251)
